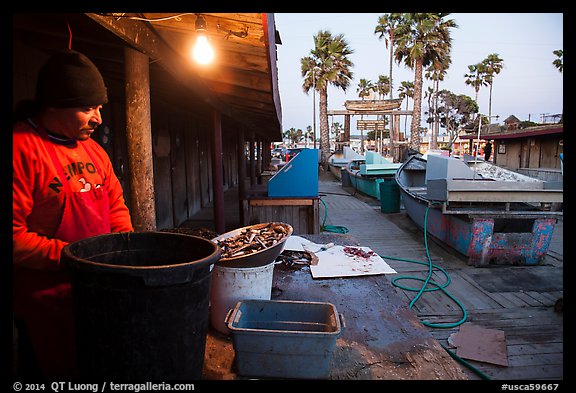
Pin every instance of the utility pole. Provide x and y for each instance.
(314, 104)
(478, 140)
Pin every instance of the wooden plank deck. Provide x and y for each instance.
(518, 300)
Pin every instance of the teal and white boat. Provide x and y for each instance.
(367, 174)
(339, 160)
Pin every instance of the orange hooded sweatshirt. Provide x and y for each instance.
(38, 196)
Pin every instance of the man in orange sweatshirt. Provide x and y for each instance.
(64, 190)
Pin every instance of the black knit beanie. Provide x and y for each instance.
(69, 79)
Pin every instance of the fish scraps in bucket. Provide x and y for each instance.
(252, 240)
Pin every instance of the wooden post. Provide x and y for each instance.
(392, 138)
(266, 156)
(347, 129)
(397, 155)
(258, 159)
(217, 174)
(252, 147)
(241, 172)
(139, 140)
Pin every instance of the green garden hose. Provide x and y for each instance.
(424, 287)
(331, 228)
(464, 362)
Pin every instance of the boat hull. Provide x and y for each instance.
(498, 238)
(367, 185)
(476, 238)
(367, 173)
(373, 105)
(336, 170)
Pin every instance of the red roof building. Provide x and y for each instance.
(532, 147)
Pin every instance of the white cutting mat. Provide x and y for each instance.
(333, 261)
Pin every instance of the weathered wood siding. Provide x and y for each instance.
(182, 172)
(162, 176)
(532, 152)
(192, 168)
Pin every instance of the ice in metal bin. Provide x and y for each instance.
(284, 339)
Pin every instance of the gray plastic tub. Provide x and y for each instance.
(284, 339)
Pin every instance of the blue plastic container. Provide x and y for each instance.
(298, 178)
(284, 339)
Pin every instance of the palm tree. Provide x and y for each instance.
(364, 89)
(293, 135)
(429, 96)
(383, 87)
(327, 64)
(559, 64)
(475, 78)
(386, 25)
(436, 73)
(492, 66)
(336, 129)
(309, 134)
(559, 61)
(422, 38)
(406, 90)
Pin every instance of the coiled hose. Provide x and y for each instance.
(424, 287)
(331, 228)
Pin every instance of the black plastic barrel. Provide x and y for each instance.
(141, 304)
(389, 196)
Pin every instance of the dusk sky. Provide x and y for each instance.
(527, 87)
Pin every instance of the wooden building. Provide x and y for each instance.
(532, 149)
(511, 123)
(177, 132)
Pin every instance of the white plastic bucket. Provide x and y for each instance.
(231, 285)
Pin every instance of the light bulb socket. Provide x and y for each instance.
(200, 23)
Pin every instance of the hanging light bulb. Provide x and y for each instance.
(202, 51)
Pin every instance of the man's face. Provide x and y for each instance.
(78, 123)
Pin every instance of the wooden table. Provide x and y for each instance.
(302, 213)
(383, 338)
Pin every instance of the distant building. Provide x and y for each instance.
(512, 123)
(532, 150)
